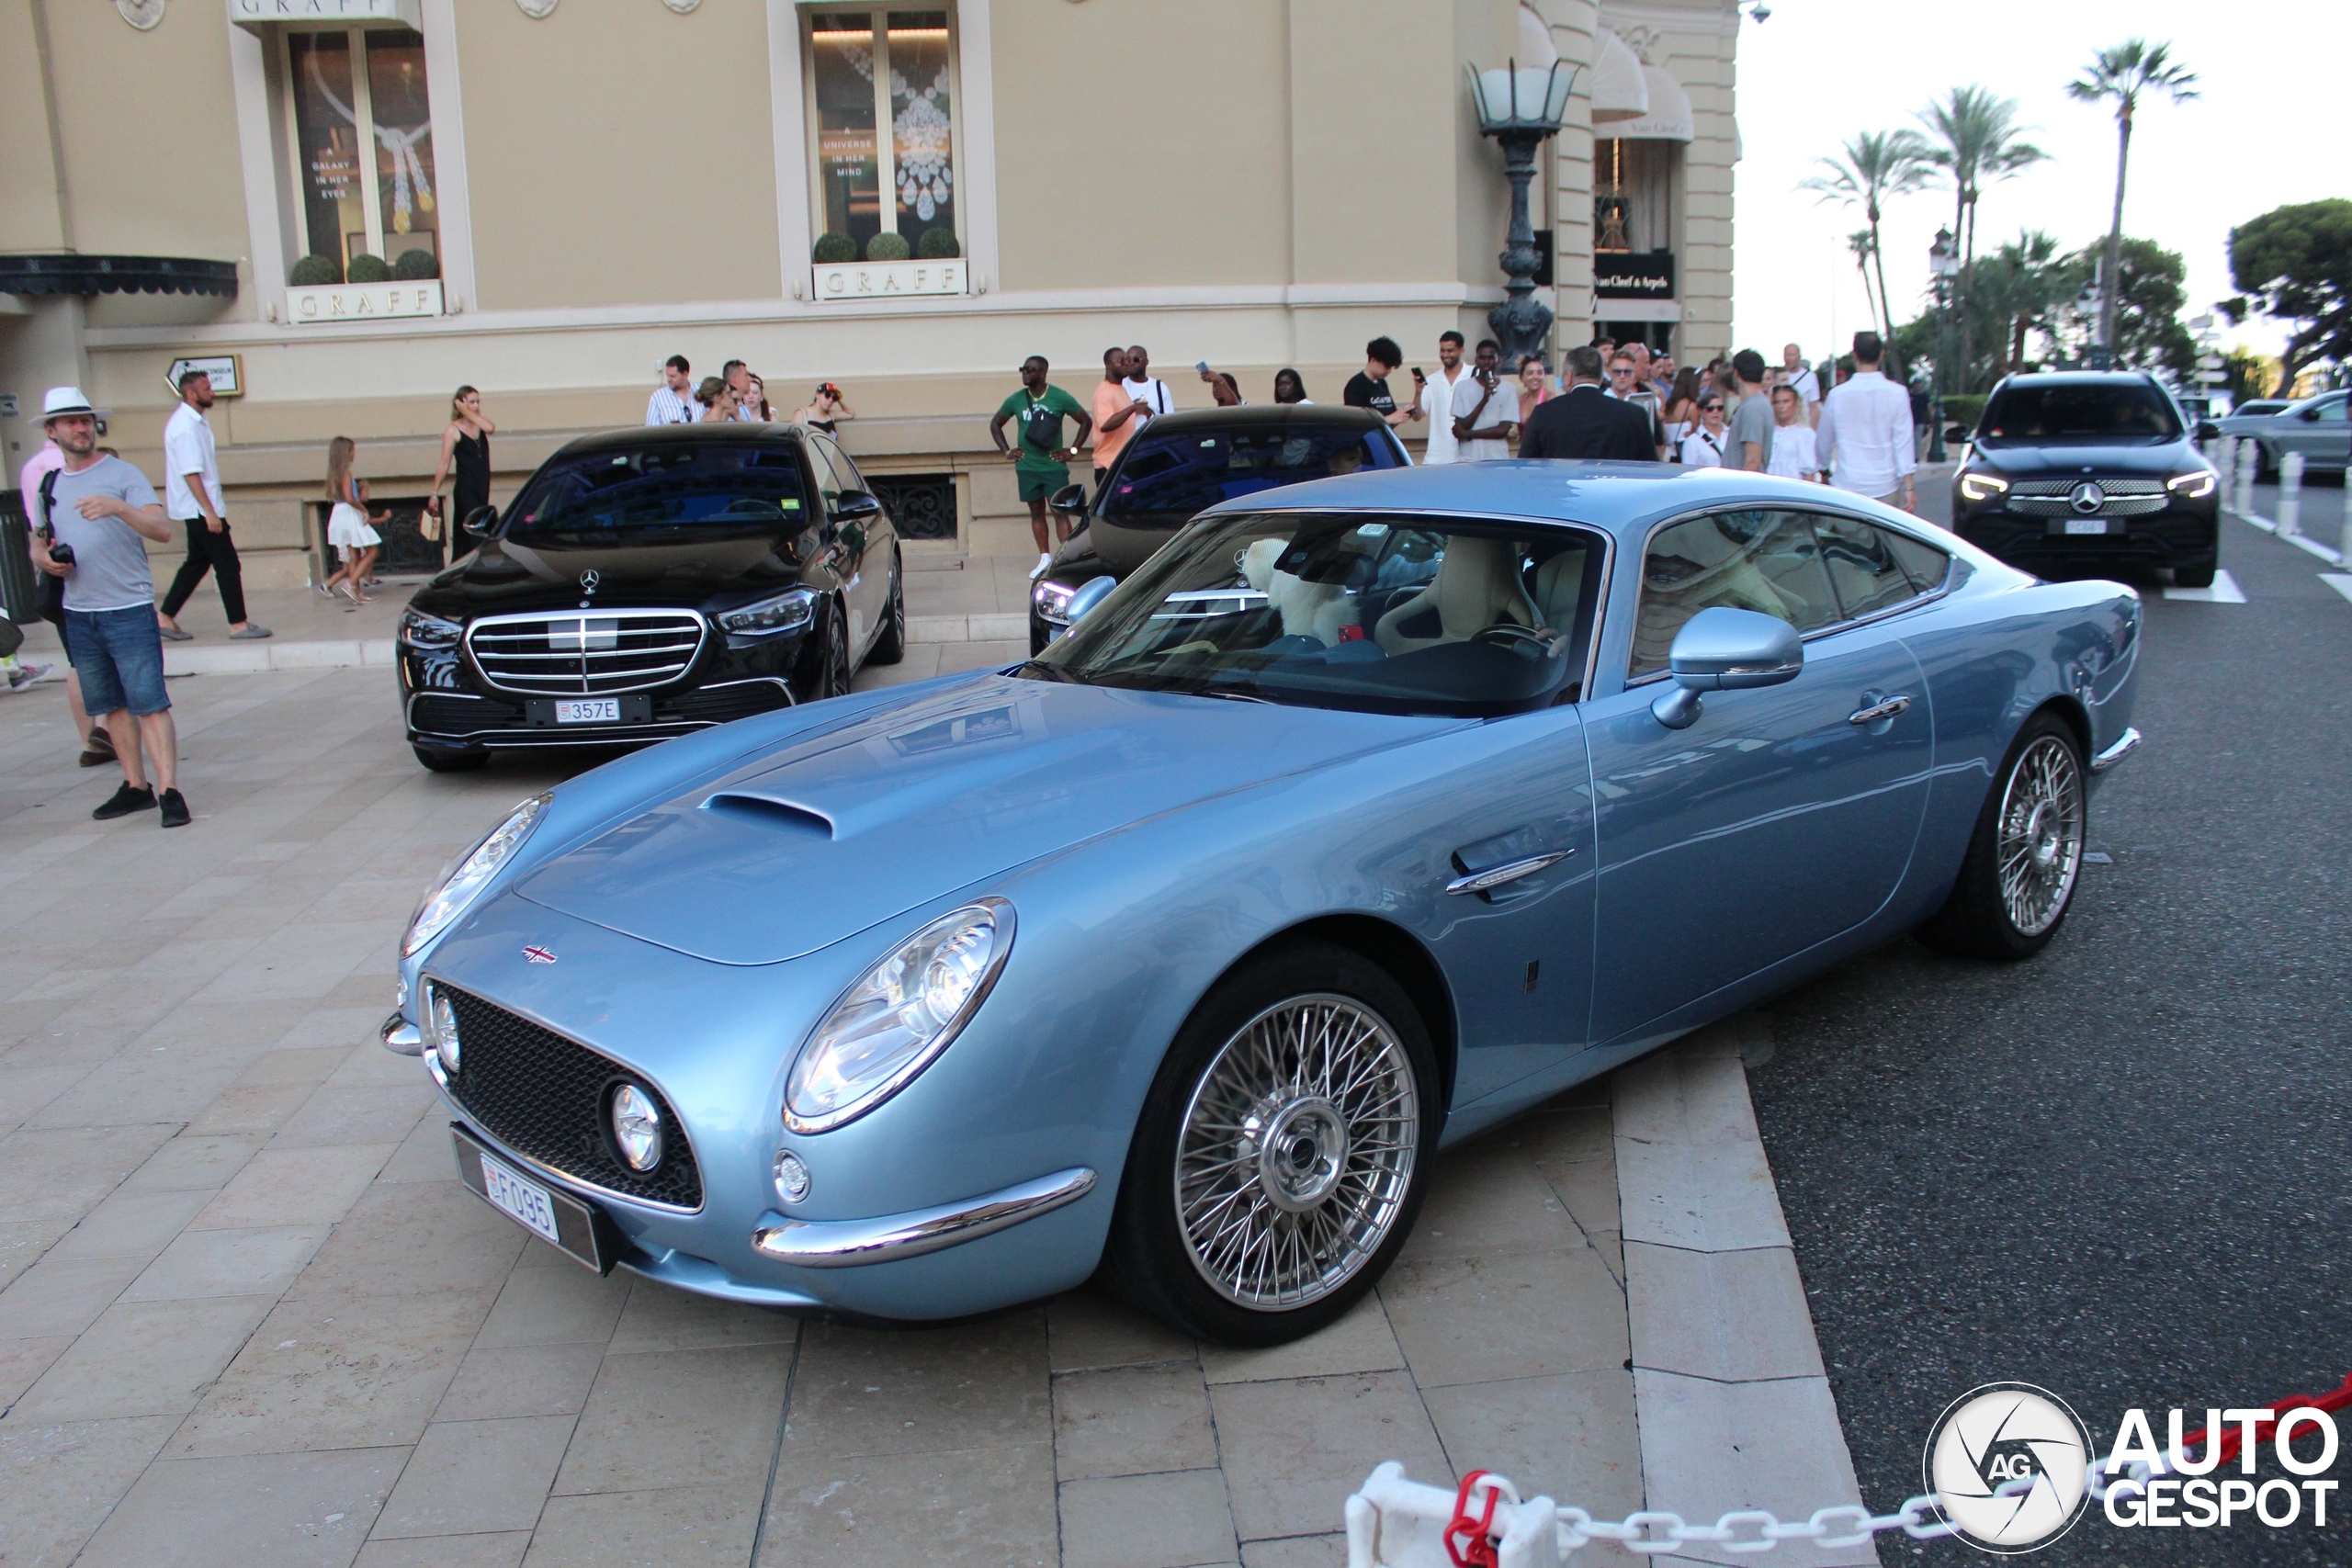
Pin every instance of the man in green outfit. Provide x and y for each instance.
(1040, 461)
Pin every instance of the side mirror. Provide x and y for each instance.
(2310, 415)
(1724, 649)
(2208, 431)
(1070, 501)
(855, 506)
(1090, 593)
(480, 520)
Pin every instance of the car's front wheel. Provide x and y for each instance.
(2025, 858)
(1282, 1152)
(891, 645)
(440, 762)
(2194, 576)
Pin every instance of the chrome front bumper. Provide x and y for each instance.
(2127, 743)
(844, 1244)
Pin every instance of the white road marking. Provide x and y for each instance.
(2340, 581)
(2304, 542)
(2225, 591)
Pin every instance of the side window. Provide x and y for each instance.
(821, 468)
(1927, 565)
(1757, 560)
(1863, 567)
(844, 470)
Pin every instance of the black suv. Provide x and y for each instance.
(649, 582)
(1183, 464)
(2090, 469)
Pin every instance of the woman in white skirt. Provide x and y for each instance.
(349, 528)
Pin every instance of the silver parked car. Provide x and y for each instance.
(2316, 427)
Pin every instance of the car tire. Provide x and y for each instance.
(831, 676)
(2037, 808)
(1235, 1088)
(891, 645)
(439, 762)
(2265, 462)
(2194, 576)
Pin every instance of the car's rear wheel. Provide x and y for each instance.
(891, 645)
(2265, 462)
(440, 762)
(1282, 1152)
(2025, 858)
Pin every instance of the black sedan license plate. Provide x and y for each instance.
(564, 713)
(579, 1230)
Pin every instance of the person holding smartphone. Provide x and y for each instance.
(1368, 389)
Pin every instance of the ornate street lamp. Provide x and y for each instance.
(1520, 109)
(1944, 261)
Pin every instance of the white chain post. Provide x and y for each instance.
(2291, 495)
(2225, 466)
(2247, 469)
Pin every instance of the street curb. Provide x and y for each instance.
(1006, 627)
(258, 658)
(2302, 541)
(1732, 1405)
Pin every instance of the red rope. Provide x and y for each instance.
(1477, 1550)
(2233, 1440)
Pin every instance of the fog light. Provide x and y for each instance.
(791, 1176)
(636, 1128)
(445, 1029)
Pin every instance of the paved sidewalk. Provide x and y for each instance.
(251, 1318)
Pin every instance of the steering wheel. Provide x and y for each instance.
(1537, 640)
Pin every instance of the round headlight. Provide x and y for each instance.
(636, 1128)
(445, 1030)
(464, 881)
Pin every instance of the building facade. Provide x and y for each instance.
(352, 207)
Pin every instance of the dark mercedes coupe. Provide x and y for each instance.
(646, 583)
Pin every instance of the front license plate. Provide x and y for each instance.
(2087, 524)
(559, 712)
(587, 710)
(579, 1230)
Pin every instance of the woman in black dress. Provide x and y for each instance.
(465, 447)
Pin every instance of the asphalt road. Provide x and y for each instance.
(2122, 1170)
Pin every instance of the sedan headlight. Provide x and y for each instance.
(890, 1025)
(1053, 601)
(462, 886)
(768, 617)
(2192, 486)
(1978, 485)
(429, 632)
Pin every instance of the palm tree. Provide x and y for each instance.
(1864, 249)
(1878, 164)
(1975, 139)
(2021, 286)
(2122, 73)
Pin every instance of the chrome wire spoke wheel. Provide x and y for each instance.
(1296, 1152)
(2039, 848)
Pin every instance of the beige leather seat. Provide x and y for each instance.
(1476, 586)
(1559, 586)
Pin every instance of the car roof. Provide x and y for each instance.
(719, 433)
(1616, 496)
(2079, 379)
(1269, 416)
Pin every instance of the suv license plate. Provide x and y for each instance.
(2087, 524)
(588, 710)
(524, 1200)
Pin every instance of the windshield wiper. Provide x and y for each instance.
(1038, 669)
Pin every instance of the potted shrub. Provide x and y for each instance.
(313, 272)
(416, 266)
(887, 246)
(833, 248)
(939, 244)
(368, 268)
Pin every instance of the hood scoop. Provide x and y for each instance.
(767, 811)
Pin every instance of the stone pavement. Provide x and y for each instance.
(250, 1317)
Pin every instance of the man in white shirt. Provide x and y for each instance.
(192, 499)
(1795, 372)
(1486, 426)
(673, 401)
(1438, 393)
(1145, 388)
(1866, 440)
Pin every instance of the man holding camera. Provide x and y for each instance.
(91, 514)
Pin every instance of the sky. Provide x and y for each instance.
(1818, 72)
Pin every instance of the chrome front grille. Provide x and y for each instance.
(2053, 498)
(586, 652)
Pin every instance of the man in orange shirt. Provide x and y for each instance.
(1116, 413)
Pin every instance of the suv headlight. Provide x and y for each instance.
(420, 630)
(2192, 486)
(768, 617)
(1978, 485)
(898, 1018)
(1053, 601)
(464, 884)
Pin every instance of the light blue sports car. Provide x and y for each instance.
(1367, 813)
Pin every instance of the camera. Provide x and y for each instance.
(62, 555)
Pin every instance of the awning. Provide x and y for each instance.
(1668, 117)
(116, 275)
(1620, 89)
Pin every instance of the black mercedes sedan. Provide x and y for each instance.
(2090, 470)
(648, 582)
(1183, 464)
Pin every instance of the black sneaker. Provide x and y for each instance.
(126, 801)
(174, 810)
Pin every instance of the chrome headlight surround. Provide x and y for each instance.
(1052, 600)
(898, 1018)
(466, 880)
(773, 617)
(2194, 485)
(429, 634)
(441, 1028)
(1978, 484)
(635, 1121)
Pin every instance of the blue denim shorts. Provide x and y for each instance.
(120, 656)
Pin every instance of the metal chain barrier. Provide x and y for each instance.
(1483, 1523)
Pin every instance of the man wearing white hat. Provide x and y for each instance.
(90, 519)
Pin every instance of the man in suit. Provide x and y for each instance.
(1586, 422)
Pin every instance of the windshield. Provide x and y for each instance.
(662, 485)
(1166, 478)
(1392, 614)
(2106, 412)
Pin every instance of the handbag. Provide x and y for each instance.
(52, 589)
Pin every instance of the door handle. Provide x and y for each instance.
(1876, 707)
(1493, 876)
